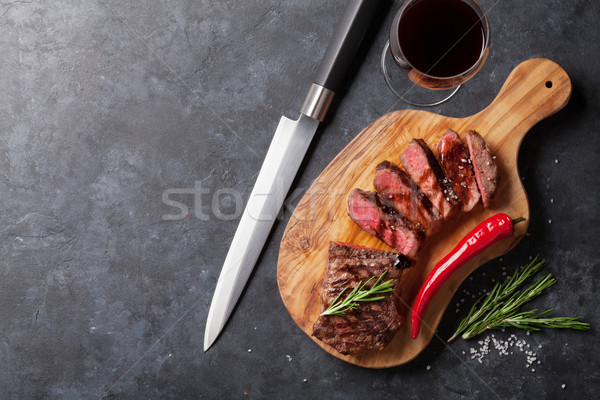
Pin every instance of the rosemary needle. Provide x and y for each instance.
(340, 307)
(500, 308)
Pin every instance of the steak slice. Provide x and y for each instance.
(455, 163)
(368, 211)
(372, 324)
(398, 191)
(484, 166)
(420, 163)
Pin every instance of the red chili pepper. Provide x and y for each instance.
(490, 231)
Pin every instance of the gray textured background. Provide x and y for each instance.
(105, 105)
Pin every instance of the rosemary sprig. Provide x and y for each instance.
(499, 293)
(340, 307)
(500, 308)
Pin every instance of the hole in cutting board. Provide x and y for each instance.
(548, 84)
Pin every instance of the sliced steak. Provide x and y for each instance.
(368, 211)
(484, 166)
(371, 325)
(398, 191)
(421, 165)
(455, 163)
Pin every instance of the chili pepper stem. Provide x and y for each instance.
(517, 220)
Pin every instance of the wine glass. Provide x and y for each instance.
(438, 45)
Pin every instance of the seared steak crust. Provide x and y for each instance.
(372, 324)
(398, 191)
(368, 211)
(420, 163)
(456, 164)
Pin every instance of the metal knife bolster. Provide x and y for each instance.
(317, 102)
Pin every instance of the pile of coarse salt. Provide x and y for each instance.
(505, 348)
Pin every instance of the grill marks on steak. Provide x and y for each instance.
(399, 192)
(373, 324)
(368, 211)
(484, 166)
(455, 163)
(420, 164)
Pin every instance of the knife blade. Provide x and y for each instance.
(284, 156)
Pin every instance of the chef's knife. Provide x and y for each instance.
(281, 163)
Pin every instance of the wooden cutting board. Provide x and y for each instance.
(534, 90)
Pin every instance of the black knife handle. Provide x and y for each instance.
(344, 43)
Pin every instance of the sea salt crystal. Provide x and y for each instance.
(249, 350)
(556, 161)
(563, 386)
(504, 348)
(549, 221)
(428, 367)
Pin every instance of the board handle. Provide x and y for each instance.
(534, 90)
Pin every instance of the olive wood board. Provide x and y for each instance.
(534, 90)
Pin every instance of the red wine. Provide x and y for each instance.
(441, 38)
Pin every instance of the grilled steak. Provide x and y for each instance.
(372, 324)
(368, 211)
(484, 166)
(398, 191)
(455, 163)
(421, 165)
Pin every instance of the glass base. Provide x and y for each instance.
(406, 90)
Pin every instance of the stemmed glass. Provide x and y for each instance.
(438, 45)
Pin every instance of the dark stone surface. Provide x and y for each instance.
(105, 106)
